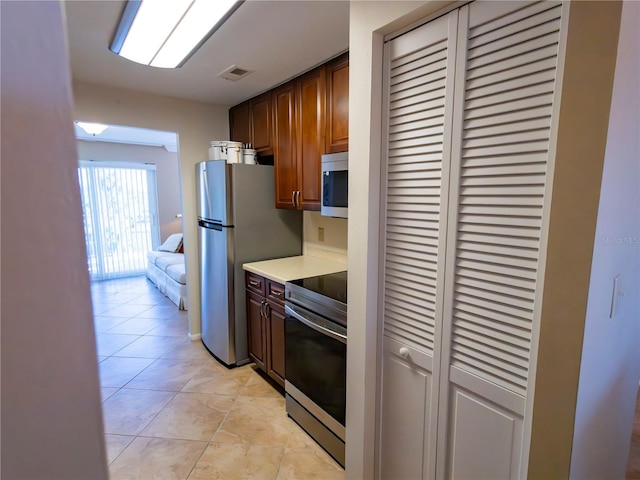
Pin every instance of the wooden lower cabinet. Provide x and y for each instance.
(255, 327)
(275, 340)
(265, 325)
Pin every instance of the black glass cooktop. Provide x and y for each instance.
(333, 285)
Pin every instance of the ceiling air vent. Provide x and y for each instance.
(234, 73)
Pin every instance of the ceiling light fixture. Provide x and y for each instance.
(92, 128)
(165, 33)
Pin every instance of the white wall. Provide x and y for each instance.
(575, 174)
(331, 244)
(51, 408)
(610, 366)
(167, 175)
(196, 125)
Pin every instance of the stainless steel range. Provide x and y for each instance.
(316, 358)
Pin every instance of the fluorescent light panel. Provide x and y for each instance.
(92, 128)
(163, 33)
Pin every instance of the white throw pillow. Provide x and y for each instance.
(171, 244)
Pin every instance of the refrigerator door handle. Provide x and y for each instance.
(210, 225)
(206, 189)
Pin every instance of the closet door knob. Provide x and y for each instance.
(404, 352)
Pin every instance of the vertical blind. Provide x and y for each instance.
(119, 204)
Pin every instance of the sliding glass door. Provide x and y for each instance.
(120, 208)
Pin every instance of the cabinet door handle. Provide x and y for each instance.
(275, 293)
(262, 305)
(298, 198)
(253, 283)
(293, 198)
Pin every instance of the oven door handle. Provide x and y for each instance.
(318, 328)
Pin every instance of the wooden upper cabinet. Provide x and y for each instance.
(284, 145)
(310, 123)
(297, 123)
(337, 130)
(261, 124)
(239, 123)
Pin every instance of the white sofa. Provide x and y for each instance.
(166, 269)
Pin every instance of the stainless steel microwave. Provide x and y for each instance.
(335, 182)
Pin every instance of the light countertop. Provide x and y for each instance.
(282, 270)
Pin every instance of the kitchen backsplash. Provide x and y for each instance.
(324, 237)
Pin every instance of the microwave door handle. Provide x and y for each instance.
(318, 328)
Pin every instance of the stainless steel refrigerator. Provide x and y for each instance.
(237, 223)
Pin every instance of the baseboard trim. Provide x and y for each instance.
(194, 337)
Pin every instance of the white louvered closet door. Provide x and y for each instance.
(419, 86)
(464, 214)
(507, 55)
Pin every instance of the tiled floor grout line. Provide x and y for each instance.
(175, 394)
(125, 386)
(197, 461)
(284, 449)
(154, 360)
(152, 419)
(176, 352)
(235, 397)
(122, 451)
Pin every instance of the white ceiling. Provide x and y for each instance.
(276, 39)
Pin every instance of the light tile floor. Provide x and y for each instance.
(171, 411)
